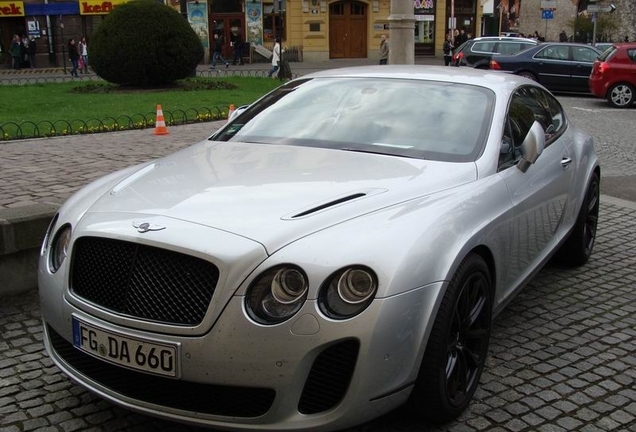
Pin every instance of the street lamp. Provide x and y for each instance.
(63, 42)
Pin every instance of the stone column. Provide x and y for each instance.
(402, 35)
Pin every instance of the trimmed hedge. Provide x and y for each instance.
(143, 43)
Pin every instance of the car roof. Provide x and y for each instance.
(484, 78)
(573, 44)
(503, 38)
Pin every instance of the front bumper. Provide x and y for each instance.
(309, 372)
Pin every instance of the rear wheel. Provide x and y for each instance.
(578, 247)
(457, 347)
(621, 95)
(528, 74)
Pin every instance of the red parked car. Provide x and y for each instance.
(613, 75)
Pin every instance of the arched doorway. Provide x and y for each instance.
(348, 30)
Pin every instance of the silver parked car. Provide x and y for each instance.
(338, 249)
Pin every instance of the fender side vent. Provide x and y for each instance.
(328, 204)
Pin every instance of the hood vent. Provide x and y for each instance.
(328, 204)
(333, 202)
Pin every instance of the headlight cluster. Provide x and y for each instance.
(280, 292)
(59, 247)
(277, 294)
(348, 292)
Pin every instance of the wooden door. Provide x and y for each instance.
(348, 30)
(226, 26)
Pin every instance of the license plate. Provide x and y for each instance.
(154, 357)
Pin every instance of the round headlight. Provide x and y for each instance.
(288, 285)
(348, 292)
(59, 247)
(277, 294)
(355, 286)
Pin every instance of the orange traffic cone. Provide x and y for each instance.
(160, 124)
(230, 111)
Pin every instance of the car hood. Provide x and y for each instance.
(275, 194)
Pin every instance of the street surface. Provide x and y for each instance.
(562, 355)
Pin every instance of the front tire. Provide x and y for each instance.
(578, 247)
(457, 346)
(621, 95)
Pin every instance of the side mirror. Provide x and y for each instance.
(237, 112)
(532, 146)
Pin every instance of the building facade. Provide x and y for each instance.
(320, 29)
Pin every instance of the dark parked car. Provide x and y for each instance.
(478, 52)
(559, 66)
(614, 75)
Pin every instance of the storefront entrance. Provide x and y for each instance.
(227, 26)
(348, 30)
(9, 27)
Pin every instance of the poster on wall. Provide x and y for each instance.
(509, 12)
(254, 19)
(198, 19)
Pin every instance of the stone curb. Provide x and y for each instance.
(21, 233)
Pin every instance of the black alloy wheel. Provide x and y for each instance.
(468, 339)
(577, 249)
(457, 346)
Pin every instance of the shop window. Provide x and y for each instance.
(272, 25)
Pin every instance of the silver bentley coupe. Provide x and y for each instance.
(338, 249)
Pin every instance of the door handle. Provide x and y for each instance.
(566, 161)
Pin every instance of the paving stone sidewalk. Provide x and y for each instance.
(562, 358)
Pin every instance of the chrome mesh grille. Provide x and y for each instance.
(329, 378)
(142, 281)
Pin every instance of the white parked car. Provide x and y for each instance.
(338, 249)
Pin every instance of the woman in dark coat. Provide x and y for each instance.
(73, 55)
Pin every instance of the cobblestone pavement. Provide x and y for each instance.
(562, 358)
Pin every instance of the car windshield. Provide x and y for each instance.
(413, 118)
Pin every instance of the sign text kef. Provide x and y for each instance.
(11, 8)
(99, 7)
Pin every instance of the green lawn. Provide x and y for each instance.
(57, 101)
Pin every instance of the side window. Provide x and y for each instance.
(508, 47)
(527, 105)
(584, 54)
(556, 124)
(483, 47)
(631, 53)
(554, 52)
(518, 122)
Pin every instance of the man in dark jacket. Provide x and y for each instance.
(218, 49)
(238, 48)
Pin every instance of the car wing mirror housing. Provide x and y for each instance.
(532, 146)
(237, 112)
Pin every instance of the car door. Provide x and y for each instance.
(582, 62)
(540, 195)
(552, 66)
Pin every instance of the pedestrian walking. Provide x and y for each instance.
(384, 50)
(238, 48)
(73, 56)
(31, 50)
(275, 58)
(217, 52)
(448, 50)
(16, 52)
(83, 52)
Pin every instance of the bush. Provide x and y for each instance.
(144, 43)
